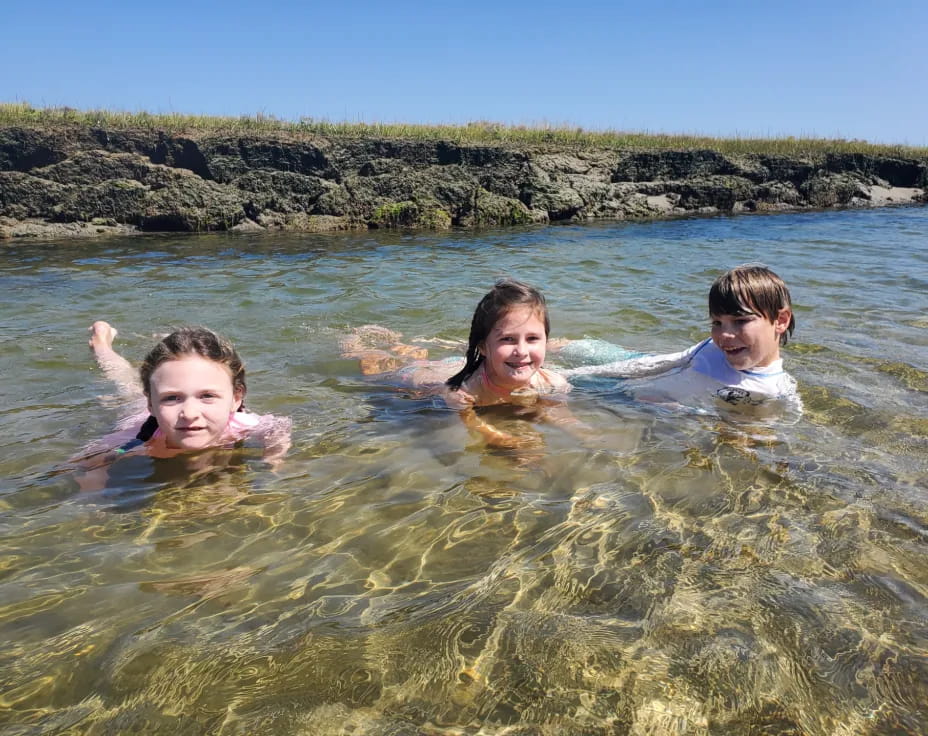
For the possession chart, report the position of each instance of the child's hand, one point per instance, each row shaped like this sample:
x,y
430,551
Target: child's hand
x,y
459,400
494,437
524,397
102,335
276,439
508,441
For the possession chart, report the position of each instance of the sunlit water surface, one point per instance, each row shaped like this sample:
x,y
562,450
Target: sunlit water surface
x,y
668,573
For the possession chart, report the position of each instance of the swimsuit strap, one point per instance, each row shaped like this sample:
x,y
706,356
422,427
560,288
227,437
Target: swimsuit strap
x,y
130,445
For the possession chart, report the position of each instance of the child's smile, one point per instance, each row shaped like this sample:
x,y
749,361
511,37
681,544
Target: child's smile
x,y
515,348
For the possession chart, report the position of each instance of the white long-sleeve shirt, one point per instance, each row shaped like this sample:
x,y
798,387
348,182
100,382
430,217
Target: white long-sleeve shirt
x,y
701,373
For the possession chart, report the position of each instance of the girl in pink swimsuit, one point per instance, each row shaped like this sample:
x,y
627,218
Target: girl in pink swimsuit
x,y
193,386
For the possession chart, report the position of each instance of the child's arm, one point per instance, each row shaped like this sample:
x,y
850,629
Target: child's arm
x,y
492,435
464,403
91,464
114,366
647,365
274,433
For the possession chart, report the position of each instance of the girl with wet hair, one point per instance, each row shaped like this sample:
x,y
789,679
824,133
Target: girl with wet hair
x,y
503,363
192,343
193,385
506,295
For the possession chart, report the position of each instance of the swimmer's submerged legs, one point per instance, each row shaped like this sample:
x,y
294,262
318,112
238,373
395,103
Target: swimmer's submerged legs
x,y
590,351
379,349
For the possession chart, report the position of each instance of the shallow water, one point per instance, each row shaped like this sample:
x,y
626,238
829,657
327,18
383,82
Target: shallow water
x,y
668,573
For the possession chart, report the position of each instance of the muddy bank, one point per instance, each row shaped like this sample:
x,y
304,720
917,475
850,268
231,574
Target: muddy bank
x,y
79,181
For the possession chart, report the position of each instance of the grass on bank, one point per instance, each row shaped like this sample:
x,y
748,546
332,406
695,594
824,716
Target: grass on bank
x,y
23,114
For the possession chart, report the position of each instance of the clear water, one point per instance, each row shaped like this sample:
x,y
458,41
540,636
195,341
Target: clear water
x,y
670,574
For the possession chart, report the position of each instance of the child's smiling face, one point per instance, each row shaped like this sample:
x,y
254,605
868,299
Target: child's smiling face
x,y
749,340
192,398
515,348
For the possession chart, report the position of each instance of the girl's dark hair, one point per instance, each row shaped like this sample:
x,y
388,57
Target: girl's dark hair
x,y
506,294
751,289
190,341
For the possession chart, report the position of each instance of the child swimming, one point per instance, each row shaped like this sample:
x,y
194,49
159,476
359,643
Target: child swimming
x,y
739,364
503,362
193,386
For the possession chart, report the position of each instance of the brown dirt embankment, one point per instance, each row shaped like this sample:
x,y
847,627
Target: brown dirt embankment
x,y
64,181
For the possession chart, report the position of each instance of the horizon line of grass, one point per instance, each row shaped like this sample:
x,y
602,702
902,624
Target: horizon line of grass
x,y
21,113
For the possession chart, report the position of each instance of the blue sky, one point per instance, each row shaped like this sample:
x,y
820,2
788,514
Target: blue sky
x,y
816,68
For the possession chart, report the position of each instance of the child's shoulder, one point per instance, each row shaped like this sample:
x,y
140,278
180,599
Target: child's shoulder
x,y
474,391
552,381
245,422
270,431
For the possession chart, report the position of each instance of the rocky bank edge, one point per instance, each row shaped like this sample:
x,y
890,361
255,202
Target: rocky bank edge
x,y
73,181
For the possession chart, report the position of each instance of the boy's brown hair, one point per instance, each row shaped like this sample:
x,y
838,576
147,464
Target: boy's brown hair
x,y
752,289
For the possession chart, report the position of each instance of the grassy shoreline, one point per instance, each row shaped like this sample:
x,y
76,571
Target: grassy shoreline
x,y
24,115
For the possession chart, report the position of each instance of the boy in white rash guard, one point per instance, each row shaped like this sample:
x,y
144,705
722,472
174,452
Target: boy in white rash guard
x,y
739,365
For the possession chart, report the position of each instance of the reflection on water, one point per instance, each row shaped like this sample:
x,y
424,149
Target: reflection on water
x,y
668,572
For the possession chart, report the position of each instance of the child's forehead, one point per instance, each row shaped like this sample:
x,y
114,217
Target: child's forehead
x,y
517,317
744,311
191,365
734,306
